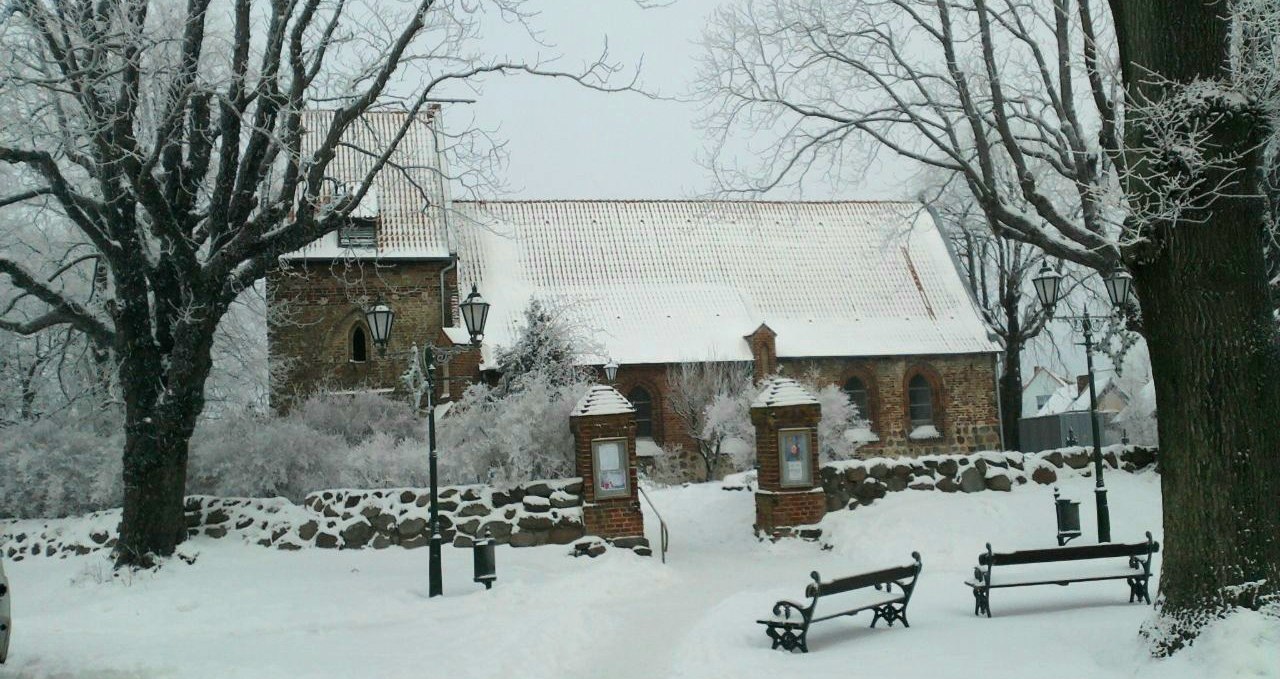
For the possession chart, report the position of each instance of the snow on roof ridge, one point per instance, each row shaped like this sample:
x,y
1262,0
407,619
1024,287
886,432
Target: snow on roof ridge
x,y
602,399
783,391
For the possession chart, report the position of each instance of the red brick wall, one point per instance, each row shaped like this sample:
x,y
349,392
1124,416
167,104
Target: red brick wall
x,y
785,510
965,400
613,517
965,409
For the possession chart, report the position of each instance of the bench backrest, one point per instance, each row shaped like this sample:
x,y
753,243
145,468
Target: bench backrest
x,y
1076,553
853,582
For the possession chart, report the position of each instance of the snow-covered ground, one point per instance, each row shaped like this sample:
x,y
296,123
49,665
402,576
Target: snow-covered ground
x,y
245,611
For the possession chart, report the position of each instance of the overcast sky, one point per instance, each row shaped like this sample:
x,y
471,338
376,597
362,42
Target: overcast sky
x,y
565,141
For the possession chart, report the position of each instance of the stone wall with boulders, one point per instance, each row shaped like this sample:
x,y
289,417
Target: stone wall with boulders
x,y
854,483
535,513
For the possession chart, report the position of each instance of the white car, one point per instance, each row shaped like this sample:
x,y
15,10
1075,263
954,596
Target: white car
x,y
6,623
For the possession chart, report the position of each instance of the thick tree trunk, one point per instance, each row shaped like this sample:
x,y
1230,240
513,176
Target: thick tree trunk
x,y
1215,360
155,478
161,407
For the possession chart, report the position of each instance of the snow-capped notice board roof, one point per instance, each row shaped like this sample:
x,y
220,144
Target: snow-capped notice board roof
x,y
673,281
602,399
407,198
783,391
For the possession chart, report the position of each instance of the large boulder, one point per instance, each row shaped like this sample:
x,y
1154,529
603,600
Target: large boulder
x,y
1000,482
1044,475
948,467
856,474
972,480
356,535
947,485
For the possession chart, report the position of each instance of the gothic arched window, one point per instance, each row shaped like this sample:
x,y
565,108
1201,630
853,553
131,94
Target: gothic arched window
x,y
359,344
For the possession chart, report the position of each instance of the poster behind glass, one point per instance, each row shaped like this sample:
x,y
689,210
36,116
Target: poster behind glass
x,y
611,467
793,451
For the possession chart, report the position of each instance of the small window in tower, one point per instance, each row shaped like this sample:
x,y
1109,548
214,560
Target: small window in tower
x,y
359,345
643,403
358,232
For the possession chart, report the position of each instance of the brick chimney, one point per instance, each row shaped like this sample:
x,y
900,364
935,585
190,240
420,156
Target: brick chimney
x,y
764,352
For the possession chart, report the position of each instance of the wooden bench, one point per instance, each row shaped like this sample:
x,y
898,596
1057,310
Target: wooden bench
x,y
873,591
1137,571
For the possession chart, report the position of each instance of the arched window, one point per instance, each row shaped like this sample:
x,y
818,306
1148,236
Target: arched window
x,y
920,402
857,392
359,345
643,404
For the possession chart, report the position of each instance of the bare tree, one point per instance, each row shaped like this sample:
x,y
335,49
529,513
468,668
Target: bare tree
x,y
169,136
1144,155
697,394
998,271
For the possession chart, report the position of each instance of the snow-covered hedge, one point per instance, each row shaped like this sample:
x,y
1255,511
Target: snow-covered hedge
x,y
71,464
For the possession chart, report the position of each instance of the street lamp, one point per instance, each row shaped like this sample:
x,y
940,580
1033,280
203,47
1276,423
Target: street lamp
x,y
1118,284
611,370
475,313
380,318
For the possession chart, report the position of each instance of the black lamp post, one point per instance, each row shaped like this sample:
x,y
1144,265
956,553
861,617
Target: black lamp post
x,y
475,313
1118,285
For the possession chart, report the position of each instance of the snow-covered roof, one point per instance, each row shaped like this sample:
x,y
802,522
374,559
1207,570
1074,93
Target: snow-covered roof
x,y
1070,398
1044,373
408,197
672,281
783,391
602,399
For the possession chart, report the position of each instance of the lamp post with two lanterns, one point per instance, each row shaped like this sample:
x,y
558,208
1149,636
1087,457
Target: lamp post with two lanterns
x,y
1118,284
475,312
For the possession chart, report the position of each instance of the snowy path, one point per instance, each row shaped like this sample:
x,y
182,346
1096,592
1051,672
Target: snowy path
x,y
244,611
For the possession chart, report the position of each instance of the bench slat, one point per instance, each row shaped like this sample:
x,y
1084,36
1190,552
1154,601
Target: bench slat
x,y
1056,576
880,577
1076,553
857,601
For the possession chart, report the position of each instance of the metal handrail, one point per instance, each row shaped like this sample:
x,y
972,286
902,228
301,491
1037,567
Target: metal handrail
x,y
661,523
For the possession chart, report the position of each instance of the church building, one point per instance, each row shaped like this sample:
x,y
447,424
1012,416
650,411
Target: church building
x,y
865,294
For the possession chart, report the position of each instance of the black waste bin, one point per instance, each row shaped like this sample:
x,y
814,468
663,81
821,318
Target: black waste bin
x,y
486,568
1068,518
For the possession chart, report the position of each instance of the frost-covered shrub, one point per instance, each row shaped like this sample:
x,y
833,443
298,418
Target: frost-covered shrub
x,y
385,462
521,435
358,417
253,455
518,430
842,429
60,466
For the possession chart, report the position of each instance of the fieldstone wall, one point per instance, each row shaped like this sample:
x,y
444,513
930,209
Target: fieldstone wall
x,y
535,513
853,483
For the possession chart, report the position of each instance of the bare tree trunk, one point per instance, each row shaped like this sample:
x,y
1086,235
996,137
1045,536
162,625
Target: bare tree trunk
x,y
1214,353
1011,377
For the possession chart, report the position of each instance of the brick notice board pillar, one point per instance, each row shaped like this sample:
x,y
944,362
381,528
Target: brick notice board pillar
x,y
604,441
790,495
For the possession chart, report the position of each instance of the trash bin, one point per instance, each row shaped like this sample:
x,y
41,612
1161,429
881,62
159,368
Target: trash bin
x,y
484,562
1068,518
6,622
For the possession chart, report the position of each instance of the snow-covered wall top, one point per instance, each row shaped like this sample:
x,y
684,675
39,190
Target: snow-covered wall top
x,y
675,281
602,399
783,391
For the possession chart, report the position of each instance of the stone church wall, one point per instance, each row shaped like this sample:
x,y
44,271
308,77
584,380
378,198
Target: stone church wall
x,y
316,305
